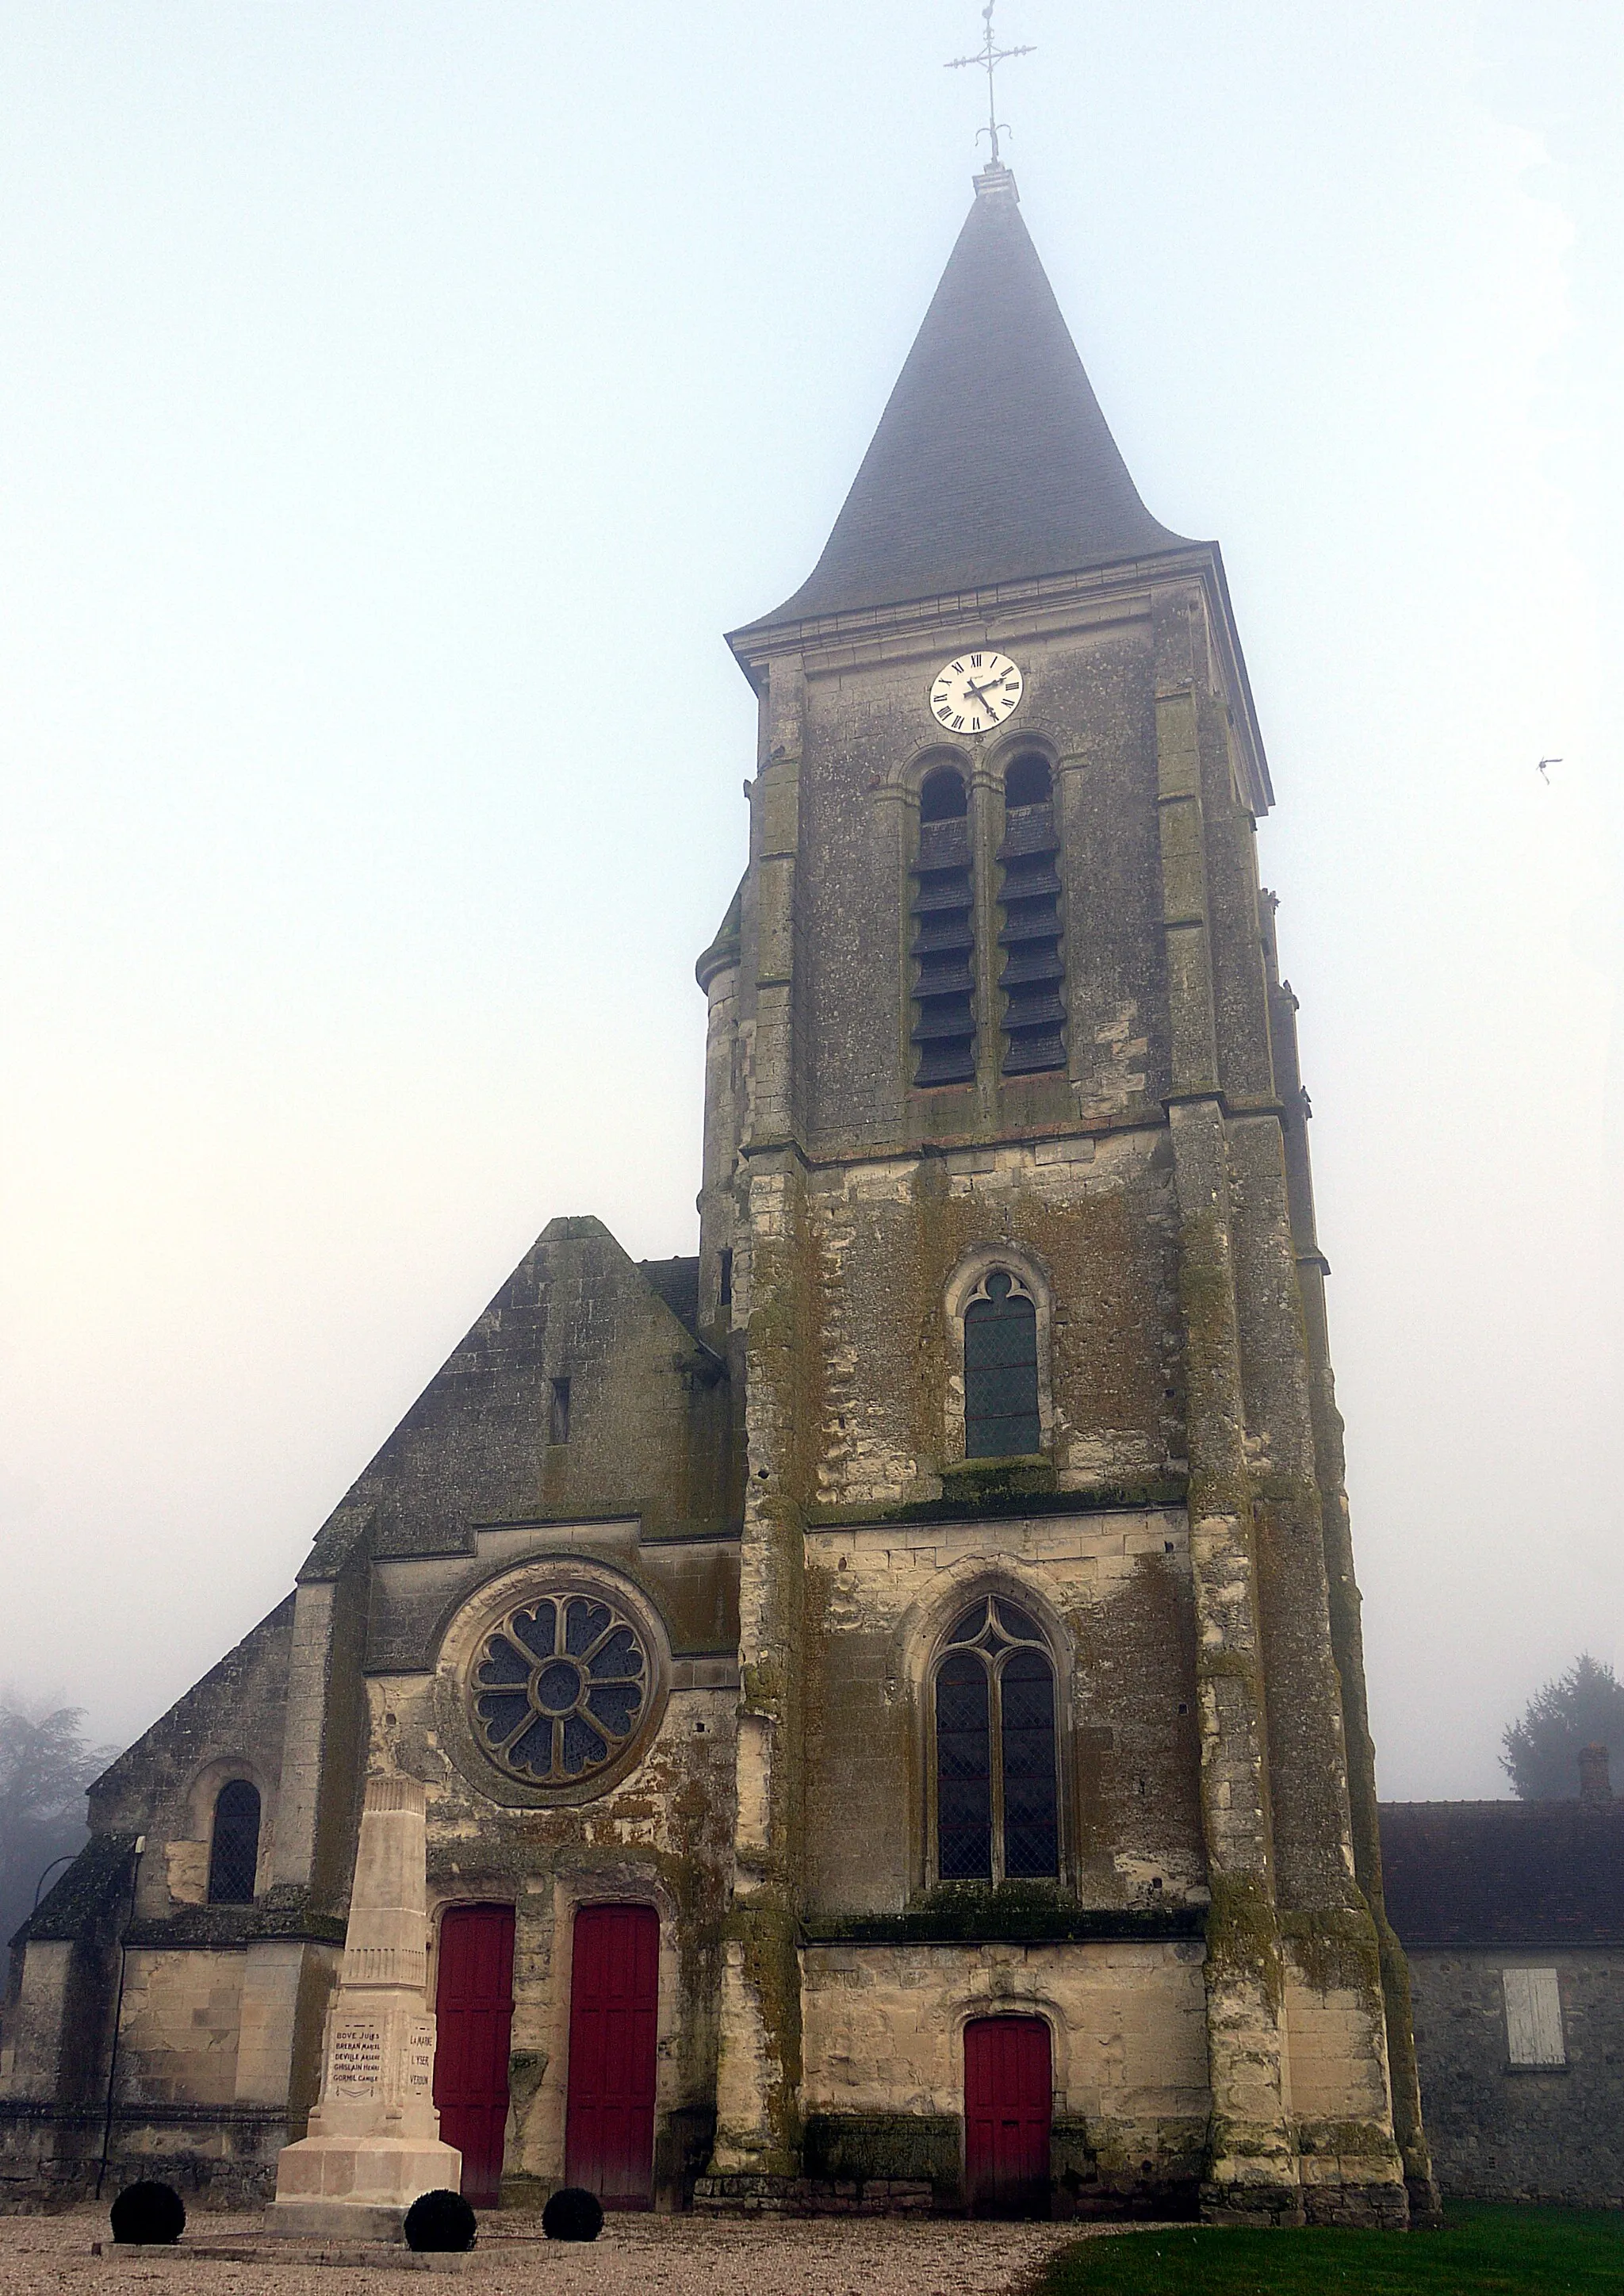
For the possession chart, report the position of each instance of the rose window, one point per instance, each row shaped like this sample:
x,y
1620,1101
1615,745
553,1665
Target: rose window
x,y
559,1688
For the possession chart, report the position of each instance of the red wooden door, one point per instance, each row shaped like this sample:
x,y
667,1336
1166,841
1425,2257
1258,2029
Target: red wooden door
x,y
473,2010
614,2005
1008,2096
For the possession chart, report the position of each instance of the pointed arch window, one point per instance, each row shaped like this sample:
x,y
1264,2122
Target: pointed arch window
x,y
1033,979
1002,1419
997,1800
944,933
234,1850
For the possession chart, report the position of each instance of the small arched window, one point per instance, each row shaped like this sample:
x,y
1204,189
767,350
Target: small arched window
x,y
233,1854
944,934
1001,1413
997,1804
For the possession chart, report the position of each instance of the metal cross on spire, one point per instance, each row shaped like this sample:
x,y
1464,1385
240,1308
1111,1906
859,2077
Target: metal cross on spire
x,y
989,57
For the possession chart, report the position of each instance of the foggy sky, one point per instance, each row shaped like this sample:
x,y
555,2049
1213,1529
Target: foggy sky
x,y
398,401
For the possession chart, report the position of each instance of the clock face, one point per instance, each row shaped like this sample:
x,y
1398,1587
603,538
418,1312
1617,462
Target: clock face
x,y
975,692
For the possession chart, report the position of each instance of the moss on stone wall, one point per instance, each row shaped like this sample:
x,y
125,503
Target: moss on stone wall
x,y
1243,1935
965,1500
1010,1915
1334,1949
769,1937
860,2146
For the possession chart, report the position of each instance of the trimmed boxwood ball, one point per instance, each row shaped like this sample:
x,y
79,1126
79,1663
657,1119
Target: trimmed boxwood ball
x,y
440,2221
573,2214
149,2212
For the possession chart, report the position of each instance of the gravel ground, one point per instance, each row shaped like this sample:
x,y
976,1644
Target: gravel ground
x,y
636,2256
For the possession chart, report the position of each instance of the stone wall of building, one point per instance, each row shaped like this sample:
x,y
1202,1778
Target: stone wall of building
x,y
1499,2133
661,1836
1096,1220
228,1725
1113,1588
177,2041
884,2073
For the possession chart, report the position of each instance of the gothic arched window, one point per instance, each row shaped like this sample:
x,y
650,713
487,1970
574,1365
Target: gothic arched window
x,y
1001,1413
944,935
233,1852
997,1803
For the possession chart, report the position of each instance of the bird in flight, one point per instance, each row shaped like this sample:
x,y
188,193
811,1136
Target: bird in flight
x,y
1544,762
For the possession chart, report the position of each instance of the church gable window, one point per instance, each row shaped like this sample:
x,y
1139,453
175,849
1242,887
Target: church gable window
x,y
997,1804
560,1690
1002,1419
234,1849
1033,979
943,943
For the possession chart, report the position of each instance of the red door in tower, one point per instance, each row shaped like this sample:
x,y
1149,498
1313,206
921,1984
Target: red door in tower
x,y
1008,2096
473,2012
614,2004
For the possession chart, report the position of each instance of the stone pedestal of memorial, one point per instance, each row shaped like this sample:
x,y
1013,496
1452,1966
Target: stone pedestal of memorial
x,y
373,2143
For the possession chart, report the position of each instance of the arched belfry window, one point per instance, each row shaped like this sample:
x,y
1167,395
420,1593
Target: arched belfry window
x,y
998,1802
233,1852
1002,1419
944,933
1033,979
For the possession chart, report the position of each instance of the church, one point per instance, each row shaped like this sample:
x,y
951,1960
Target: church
x,y
887,1692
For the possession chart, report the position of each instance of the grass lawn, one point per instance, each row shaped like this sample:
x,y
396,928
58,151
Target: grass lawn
x,y
1482,2250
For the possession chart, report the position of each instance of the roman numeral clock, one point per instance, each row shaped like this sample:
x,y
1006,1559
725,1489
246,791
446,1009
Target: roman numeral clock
x,y
976,692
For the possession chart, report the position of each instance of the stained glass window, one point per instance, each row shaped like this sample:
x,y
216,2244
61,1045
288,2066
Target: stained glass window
x,y
1001,1419
233,1852
997,1813
559,1688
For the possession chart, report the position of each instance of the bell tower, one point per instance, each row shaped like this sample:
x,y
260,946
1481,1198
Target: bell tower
x,y
1052,1697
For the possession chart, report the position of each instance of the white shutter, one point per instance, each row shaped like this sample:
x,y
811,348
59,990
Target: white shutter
x,y
1533,2017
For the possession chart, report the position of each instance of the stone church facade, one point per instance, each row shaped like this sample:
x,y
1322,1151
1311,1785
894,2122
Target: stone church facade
x,y
888,1690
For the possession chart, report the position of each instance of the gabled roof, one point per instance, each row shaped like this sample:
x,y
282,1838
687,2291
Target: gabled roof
x,y
992,461
476,1446
1487,1873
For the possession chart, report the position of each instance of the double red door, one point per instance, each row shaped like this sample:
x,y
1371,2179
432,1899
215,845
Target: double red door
x,y
614,2002
473,2009
1008,2100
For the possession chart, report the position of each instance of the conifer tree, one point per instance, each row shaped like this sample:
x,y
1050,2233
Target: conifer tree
x,y
44,1767
1584,1707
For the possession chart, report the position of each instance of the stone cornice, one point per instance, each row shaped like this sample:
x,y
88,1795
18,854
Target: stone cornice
x,y
873,630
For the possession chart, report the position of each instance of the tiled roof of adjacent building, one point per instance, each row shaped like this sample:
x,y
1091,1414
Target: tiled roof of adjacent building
x,y
1503,1872
992,461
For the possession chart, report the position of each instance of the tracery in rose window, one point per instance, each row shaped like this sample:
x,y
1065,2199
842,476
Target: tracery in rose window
x,y
559,1688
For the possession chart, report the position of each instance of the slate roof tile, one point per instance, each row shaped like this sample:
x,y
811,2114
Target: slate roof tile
x,y
993,462
1503,1872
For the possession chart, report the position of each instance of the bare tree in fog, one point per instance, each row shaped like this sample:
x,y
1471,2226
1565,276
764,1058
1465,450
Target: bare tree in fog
x,y
1584,1707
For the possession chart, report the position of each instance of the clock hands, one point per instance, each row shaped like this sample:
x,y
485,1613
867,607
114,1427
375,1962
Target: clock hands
x,y
977,690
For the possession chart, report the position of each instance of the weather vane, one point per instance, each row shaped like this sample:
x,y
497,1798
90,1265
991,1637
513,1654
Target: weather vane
x,y
989,57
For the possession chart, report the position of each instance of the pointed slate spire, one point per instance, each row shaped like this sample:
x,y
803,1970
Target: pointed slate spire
x,y
992,461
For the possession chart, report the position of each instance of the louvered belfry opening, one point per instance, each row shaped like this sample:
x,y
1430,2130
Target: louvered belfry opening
x,y
1033,977
944,933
